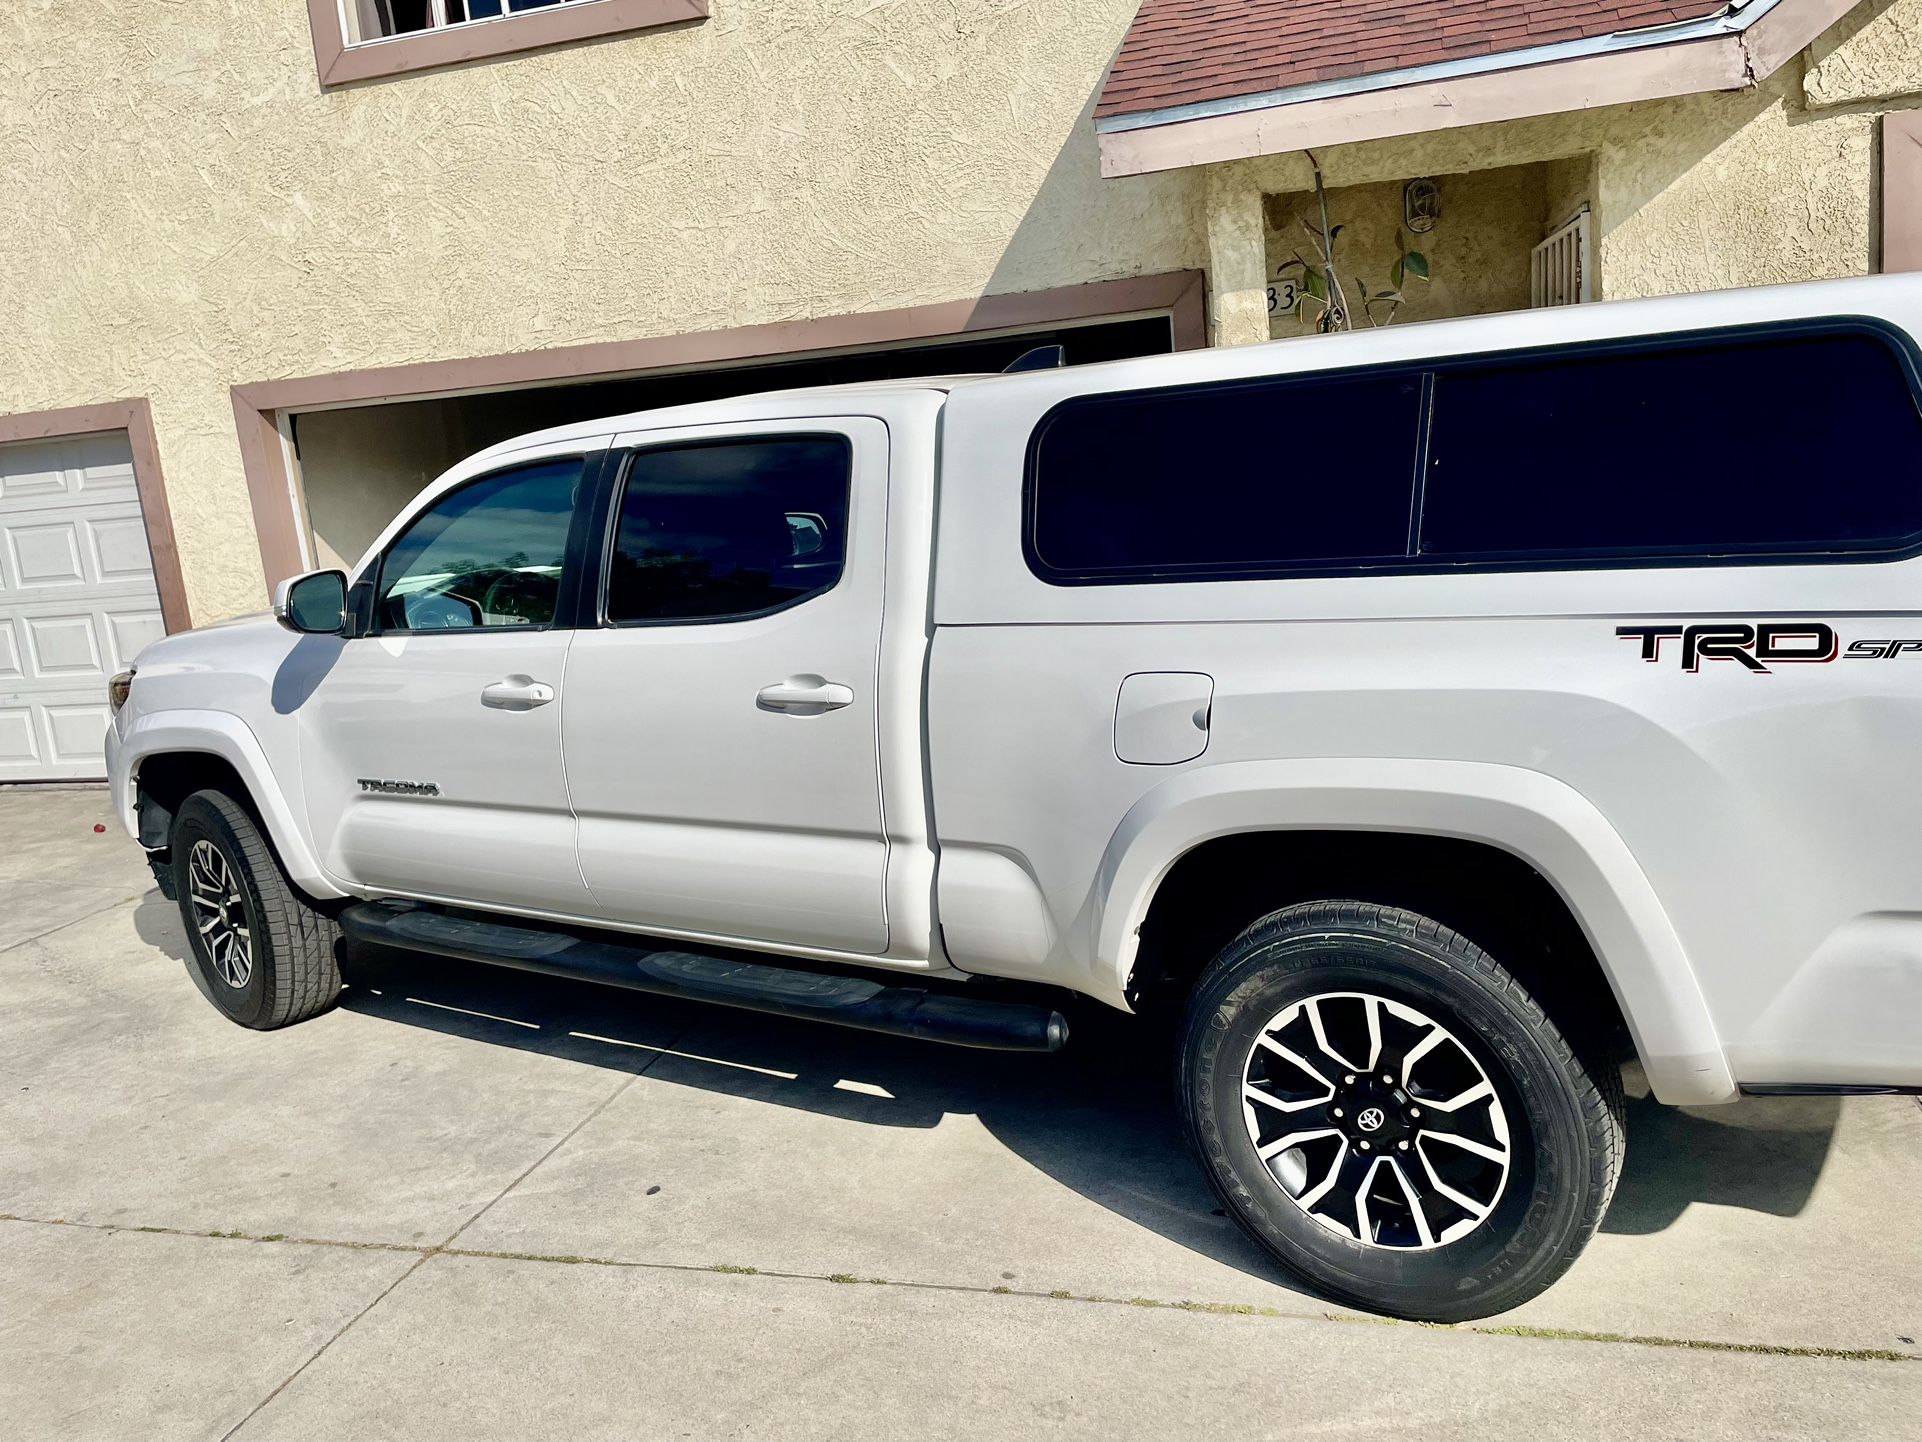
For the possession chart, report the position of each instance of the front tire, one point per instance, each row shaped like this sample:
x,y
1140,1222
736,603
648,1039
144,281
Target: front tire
x,y
1388,1112
257,949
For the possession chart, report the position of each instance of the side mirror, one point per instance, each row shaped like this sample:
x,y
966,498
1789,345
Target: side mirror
x,y
313,604
807,533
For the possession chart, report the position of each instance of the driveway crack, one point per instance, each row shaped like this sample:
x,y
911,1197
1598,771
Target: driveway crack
x,y
573,1131
1220,1309
321,1350
75,921
429,1253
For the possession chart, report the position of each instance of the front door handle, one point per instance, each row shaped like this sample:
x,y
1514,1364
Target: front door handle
x,y
805,696
516,693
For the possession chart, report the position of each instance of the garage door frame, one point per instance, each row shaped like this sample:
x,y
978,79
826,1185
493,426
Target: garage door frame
x,y
135,417
263,410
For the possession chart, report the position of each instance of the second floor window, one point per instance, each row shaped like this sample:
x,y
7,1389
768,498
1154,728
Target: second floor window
x,y
379,19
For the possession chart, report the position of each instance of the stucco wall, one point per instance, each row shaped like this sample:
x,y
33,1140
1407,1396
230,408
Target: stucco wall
x,y
360,466
1567,185
1874,54
1712,191
185,210
1477,253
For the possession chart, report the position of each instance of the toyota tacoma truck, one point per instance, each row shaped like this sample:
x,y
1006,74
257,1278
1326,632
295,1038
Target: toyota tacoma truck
x,y
1427,721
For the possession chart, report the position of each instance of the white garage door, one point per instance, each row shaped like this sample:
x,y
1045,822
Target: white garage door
x,y
77,599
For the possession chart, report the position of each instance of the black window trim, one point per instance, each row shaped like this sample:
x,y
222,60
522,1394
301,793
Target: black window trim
x,y
566,602
1428,371
615,492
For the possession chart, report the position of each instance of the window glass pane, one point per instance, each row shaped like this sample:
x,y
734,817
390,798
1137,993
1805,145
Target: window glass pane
x,y
379,19
394,17
488,554
1227,480
1782,445
729,529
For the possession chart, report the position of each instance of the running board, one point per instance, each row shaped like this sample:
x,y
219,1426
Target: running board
x,y
850,1001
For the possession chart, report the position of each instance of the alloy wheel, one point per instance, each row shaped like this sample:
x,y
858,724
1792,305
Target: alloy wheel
x,y
1374,1119
220,914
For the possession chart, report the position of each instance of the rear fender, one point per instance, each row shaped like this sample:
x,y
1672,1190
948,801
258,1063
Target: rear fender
x,y
1543,821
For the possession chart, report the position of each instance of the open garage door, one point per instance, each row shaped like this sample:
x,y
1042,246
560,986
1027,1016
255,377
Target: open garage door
x,y
77,599
361,465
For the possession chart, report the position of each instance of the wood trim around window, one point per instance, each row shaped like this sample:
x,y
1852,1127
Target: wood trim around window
x,y
1180,295
1902,191
135,417
339,63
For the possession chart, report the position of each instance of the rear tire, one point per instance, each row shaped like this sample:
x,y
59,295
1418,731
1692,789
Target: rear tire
x,y
257,949
1447,1187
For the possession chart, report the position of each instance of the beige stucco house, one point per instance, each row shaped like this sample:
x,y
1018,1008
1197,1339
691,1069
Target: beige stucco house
x,y
267,267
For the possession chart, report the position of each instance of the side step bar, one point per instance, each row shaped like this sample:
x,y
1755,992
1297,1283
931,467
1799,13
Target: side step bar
x,y
849,1001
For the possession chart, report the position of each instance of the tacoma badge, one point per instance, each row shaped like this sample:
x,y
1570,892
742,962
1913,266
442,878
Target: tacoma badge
x,y
400,788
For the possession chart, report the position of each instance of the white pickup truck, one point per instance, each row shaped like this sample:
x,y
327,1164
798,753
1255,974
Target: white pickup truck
x,y
1426,717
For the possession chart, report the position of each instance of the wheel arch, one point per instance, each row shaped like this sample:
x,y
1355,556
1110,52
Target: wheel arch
x,y
193,750
1541,824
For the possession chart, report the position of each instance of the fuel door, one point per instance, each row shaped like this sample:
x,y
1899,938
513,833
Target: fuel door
x,y
1161,717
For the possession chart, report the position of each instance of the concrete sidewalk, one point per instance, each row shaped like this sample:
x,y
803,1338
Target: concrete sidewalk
x,y
472,1203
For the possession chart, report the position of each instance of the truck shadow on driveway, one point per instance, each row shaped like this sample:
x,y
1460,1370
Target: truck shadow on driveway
x,y
1095,1118
1098,1118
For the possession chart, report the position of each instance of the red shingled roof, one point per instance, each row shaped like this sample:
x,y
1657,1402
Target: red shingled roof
x,y
1178,52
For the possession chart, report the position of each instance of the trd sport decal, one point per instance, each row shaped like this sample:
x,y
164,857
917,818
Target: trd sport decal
x,y
1758,647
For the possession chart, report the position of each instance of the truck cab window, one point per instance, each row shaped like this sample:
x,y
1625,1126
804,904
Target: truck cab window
x,y
488,555
721,530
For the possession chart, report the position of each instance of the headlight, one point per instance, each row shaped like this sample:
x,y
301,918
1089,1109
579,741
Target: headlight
x,y
118,690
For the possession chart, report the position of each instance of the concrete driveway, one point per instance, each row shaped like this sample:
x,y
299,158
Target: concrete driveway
x,y
472,1204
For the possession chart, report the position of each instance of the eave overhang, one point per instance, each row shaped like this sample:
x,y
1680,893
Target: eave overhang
x,y
1734,50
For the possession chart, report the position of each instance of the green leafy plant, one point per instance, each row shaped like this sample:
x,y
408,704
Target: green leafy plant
x,y
1319,291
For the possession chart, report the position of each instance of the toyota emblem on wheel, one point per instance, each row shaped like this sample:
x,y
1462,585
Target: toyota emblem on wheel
x,y
1370,1120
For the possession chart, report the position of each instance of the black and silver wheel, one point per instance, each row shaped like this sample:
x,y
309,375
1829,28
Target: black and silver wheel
x,y
218,914
257,949
1387,1111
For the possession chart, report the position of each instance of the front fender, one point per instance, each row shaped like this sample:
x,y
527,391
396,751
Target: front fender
x,y
1543,821
222,734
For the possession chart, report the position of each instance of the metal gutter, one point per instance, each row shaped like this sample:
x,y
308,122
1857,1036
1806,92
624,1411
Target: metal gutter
x,y
1731,20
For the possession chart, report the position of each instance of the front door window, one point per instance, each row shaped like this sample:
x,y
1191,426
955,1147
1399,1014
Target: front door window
x,y
487,555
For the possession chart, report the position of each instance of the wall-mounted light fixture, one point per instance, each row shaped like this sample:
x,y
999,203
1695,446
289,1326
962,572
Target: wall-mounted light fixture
x,y
1420,205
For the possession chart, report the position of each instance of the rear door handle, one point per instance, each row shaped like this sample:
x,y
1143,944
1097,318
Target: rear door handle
x,y
805,696
516,693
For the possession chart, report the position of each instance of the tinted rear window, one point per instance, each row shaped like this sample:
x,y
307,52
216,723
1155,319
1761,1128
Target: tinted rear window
x,y
1796,444
726,529
1256,477
1698,449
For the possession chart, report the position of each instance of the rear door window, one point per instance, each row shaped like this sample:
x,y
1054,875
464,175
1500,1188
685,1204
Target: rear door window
x,y
722,530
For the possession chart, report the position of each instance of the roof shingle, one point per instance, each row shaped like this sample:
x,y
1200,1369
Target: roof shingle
x,y
1179,52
